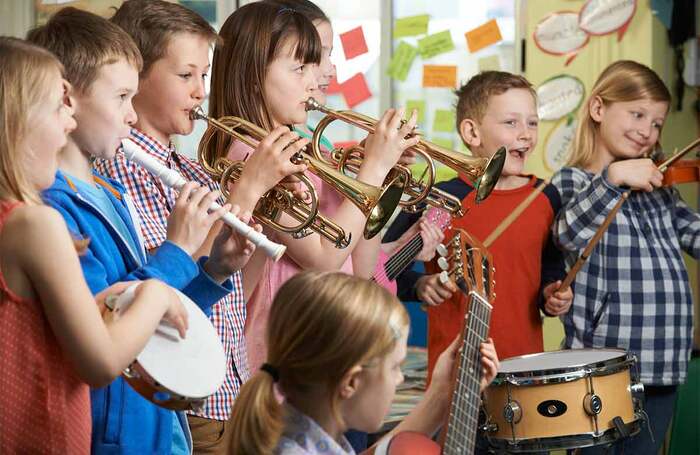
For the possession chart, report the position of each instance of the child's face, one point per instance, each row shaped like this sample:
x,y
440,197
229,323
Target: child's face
x,y
104,111
49,125
373,399
628,129
325,71
510,120
173,85
288,84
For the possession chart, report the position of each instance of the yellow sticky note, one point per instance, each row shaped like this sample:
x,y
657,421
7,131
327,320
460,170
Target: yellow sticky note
x,y
439,76
444,120
483,36
411,26
402,60
418,105
435,44
490,63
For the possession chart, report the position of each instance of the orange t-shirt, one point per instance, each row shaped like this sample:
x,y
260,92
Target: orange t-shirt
x,y
44,406
516,325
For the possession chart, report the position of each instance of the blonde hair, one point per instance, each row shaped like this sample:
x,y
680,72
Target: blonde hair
x,y
320,325
622,81
26,74
84,43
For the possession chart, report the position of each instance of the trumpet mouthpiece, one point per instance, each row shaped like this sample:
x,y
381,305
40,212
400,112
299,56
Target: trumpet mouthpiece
x,y
312,104
196,113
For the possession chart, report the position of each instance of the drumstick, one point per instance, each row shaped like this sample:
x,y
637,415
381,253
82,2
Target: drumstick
x,y
592,243
507,221
174,180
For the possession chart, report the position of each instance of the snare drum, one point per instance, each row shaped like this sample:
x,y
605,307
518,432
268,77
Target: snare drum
x,y
173,372
562,400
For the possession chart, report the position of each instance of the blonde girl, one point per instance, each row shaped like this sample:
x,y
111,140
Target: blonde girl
x,y
264,73
53,341
336,344
633,292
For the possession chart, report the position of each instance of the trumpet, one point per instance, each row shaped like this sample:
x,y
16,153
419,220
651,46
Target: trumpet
x,y
482,172
377,204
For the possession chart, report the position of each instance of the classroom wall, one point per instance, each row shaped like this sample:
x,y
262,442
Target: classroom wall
x,y
645,41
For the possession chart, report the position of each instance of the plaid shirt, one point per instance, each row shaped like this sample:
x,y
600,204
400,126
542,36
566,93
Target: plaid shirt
x,y
154,202
633,292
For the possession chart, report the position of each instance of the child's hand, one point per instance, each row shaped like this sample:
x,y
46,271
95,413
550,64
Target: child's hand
x,y
638,174
271,161
431,291
557,302
112,291
190,221
441,382
432,236
489,363
389,141
230,251
176,314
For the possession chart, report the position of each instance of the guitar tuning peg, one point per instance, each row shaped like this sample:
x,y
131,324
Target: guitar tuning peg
x,y
444,277
442,250
443,264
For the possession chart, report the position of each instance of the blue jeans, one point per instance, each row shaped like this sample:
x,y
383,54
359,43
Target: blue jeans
x,y
659,402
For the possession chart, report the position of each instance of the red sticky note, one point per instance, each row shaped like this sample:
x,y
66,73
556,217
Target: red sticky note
x,y
333,86
354,43
355,90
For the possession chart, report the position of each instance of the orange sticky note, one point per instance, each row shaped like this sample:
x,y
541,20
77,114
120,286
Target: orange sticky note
x,y
354,43
333,86
355,90
483,36
439,76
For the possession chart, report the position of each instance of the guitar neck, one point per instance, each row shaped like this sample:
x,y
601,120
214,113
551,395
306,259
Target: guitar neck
x,y
460,435
402,258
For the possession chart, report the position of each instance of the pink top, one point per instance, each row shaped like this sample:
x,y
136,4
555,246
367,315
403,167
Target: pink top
x,y
44,406
277,273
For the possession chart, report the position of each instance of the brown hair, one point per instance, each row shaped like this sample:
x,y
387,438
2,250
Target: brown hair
x,y
84,43
25,75
152,23
321,325
474,96
253,36
622,81
308,9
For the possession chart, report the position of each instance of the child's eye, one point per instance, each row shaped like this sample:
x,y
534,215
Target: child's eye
x,y
299,69
533,124
186,75
657,125
205,76
510,122
636,114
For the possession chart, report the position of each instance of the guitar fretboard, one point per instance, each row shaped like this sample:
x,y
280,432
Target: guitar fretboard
x,y
464,412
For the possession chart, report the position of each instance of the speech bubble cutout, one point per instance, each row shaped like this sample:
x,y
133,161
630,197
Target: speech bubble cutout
x,y
601,17
559,96
559,33
557,145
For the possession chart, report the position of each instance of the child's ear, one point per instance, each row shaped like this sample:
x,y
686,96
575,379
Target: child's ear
x,y
350,382
469,131
595,108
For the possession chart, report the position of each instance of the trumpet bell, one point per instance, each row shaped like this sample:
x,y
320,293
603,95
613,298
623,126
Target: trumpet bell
x,y
386,202
492,171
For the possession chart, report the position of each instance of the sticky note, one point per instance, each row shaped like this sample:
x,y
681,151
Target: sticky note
x,y
483,36
435,44
444,120
411,26
439,76
442,142
355,90
418,105
353,42
402,60
490,63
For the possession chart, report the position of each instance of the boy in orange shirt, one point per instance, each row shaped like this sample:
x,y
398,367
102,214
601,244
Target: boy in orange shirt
x,y
496,109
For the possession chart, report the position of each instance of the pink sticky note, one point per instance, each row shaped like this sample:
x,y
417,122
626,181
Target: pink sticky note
x,y
354,43
355,90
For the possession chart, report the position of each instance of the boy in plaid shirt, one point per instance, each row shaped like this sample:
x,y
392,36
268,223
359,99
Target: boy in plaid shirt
x,y
633,292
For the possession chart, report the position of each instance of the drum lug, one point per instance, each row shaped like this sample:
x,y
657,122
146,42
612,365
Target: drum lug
x,y
592,404
512,412
637,388
489,427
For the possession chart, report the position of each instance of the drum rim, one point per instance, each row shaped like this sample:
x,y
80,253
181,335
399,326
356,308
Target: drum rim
x,y
574,441
566,374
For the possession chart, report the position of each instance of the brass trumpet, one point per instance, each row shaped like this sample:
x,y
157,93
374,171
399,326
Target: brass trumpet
x,y
377,204
482,172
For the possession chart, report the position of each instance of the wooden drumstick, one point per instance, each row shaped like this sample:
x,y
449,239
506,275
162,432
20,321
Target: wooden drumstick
x,y
507,221
593,242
